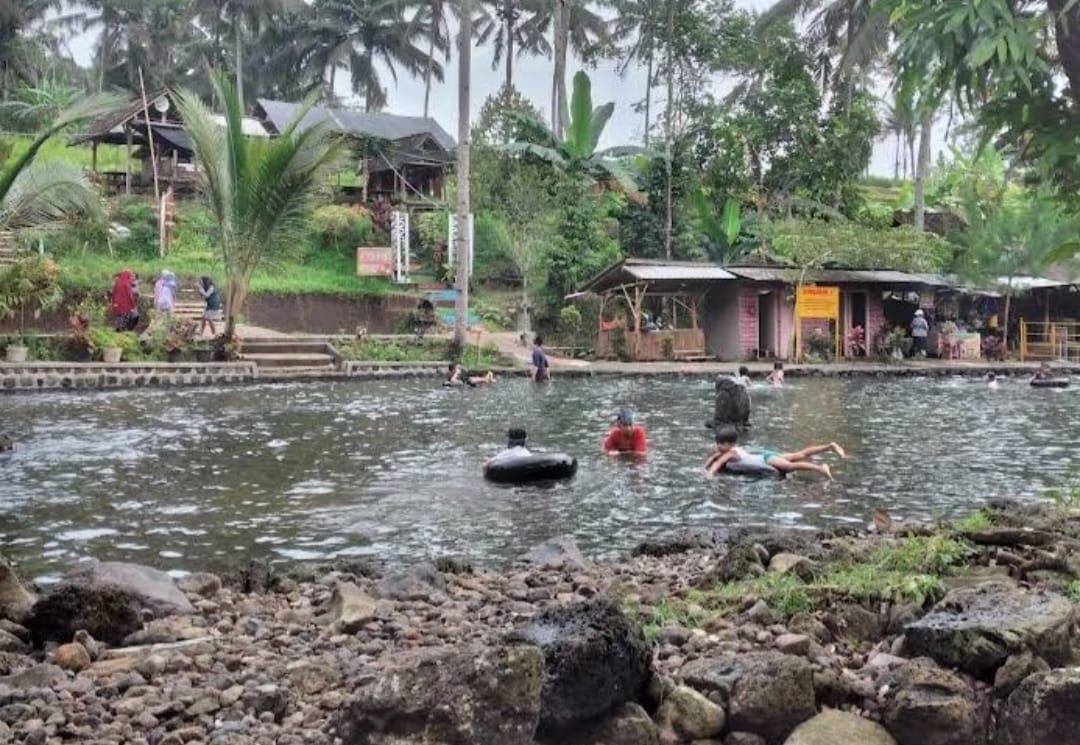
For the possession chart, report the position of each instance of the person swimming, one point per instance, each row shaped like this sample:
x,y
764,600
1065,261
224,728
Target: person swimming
x,y
728,450
992,381
776,377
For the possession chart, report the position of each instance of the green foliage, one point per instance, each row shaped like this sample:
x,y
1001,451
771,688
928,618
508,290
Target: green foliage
x,y
1066,495
722,231
411,349
504,118
785,592
102,338
570,319
979,520
31,284
1072,591
338,227
816,243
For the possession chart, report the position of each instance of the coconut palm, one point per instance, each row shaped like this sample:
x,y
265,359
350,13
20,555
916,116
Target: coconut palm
x,y
464,207
577,152
32,193
637,26
19,51
259,190
576,25
354,34
432,14
515,28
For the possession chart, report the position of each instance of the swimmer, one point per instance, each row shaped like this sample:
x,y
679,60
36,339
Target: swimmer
x,y
776,377
485,379
728,450
625,436
743,376
515,446
991,381
454,374
1044,372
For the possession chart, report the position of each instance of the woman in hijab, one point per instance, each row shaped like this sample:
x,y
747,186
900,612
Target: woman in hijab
x,y
165,293
124,302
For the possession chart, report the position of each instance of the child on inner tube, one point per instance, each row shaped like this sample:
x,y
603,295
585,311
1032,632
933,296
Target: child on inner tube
x,y
515,445
456,376
727,451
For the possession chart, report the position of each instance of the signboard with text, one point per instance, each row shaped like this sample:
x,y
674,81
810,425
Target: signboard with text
x,y
374,262
818,302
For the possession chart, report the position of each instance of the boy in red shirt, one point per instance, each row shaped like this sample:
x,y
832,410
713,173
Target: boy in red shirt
x,y
625,436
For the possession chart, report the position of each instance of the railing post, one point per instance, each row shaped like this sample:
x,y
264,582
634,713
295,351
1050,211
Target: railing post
x,y
1023,340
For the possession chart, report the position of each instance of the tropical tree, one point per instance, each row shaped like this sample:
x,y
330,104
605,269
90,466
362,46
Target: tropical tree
x,y
259,190
721,231
432,15
578,26
637,28
32,193
501,115
577,152
515,28
19,49
355,34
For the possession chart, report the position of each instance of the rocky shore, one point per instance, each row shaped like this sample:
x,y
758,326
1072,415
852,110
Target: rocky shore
x,y
912,635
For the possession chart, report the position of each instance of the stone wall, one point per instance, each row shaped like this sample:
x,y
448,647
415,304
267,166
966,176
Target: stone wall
x,y
364,369
34,376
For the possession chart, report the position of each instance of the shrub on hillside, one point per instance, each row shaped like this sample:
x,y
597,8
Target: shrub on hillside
x,y
340,227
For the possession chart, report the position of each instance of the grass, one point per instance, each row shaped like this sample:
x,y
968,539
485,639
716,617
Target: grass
x,y
109,158
1072,591
909,570
410,349
1067,495
974,522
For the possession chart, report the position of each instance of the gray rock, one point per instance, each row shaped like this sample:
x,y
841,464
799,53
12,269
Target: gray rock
x,y
926,705
15,600
417,583
731,404
203,583
767,693
679,542
740,562
976,630
11,643
747,738
796,644
1015,670
106,612
38,676
800,566
154,589
690,715
832,727
458,696
350,609
559,552
626,725
1043,710
596,659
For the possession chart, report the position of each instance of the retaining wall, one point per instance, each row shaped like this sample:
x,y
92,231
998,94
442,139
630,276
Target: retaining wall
x,y
33,376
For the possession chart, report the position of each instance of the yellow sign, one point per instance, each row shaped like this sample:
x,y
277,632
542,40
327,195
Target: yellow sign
x,y
818,302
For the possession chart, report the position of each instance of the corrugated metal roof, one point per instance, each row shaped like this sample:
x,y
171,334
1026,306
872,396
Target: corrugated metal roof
x,y
675,273
384,126
1031,283
838,276
665,276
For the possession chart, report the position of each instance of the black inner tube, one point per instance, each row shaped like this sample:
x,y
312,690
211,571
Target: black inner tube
x,y
524,469
1050,383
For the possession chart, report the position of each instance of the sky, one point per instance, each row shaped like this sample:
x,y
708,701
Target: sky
x,y
532,76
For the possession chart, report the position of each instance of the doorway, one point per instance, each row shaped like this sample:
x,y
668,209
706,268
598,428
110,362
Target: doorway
x,y
766,307
857,316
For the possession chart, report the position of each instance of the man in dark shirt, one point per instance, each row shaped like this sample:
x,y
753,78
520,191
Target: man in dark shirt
x,y
540,370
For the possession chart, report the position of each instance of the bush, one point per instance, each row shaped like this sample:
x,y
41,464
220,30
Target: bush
x,y
491,239
819,346
105,338
339,227
140,218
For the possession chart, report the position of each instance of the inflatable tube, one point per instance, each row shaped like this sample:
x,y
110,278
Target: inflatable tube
x,y
753,470
1050,383
529,468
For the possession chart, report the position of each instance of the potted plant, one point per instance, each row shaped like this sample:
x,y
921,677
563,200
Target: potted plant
x,y
28,284
112,344
178,339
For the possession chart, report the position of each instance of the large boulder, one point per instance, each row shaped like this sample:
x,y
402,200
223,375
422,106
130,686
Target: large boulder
x,y
1043,710
766,693
595,659
832,727
625,725
731,404
926,705
977,629
15,600
460,696
689,715
108,599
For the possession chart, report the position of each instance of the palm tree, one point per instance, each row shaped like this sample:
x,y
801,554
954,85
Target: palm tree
x,y
515,28
357,33
33,193
432,14
259,190
461,302
638,24
575,26
577,153
18,49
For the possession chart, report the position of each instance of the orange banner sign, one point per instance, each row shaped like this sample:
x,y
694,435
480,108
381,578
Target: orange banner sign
x,y
374,262
818,302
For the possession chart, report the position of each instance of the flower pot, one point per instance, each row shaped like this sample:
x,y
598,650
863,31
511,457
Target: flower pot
x,y
16,353
112,355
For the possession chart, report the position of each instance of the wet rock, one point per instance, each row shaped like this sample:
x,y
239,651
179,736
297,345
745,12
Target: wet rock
x,y
256,577
454,565
38,676
15,600
73,657
350,609
832,727
1011,537
926,705
731,404
767,693
11,643
203,584
559,552
1043,710
596,659
740,562
107,612
92,646
460,696
689,715
155,590
679,542
1016,669
800,566
858,624
976,630
417,583
625,725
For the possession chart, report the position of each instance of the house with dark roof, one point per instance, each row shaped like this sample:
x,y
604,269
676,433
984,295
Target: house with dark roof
x,y
402,159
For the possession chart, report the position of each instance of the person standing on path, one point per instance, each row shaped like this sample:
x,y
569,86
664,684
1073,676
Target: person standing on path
x,y
919,331
165,293
215,311
540,370
124,301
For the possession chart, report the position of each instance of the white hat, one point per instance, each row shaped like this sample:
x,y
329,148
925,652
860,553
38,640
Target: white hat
x,y
919,312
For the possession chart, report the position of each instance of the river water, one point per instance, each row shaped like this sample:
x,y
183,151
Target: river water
x,y
199,479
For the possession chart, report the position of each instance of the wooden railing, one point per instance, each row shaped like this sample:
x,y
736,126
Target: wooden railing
x,y
1050,340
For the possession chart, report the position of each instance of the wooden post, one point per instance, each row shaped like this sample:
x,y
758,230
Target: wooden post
x,y
150,138
127,165
93,157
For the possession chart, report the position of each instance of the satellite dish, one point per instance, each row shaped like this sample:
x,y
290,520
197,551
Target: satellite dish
x,y
161,105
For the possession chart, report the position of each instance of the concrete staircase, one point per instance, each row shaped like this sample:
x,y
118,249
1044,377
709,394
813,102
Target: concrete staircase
x,y
292,358
189,305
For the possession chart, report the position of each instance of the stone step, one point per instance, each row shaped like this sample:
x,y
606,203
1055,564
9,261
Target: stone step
x,y
293,373
267,360
286,346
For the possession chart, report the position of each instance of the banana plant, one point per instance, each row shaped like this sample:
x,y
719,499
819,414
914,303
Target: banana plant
x,y
577,152
722,233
